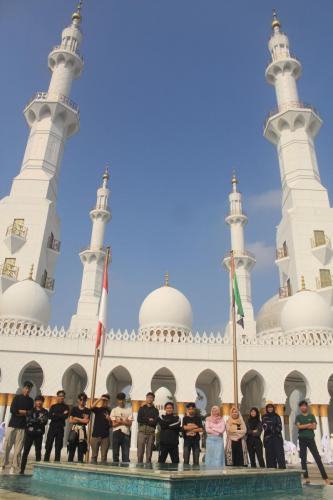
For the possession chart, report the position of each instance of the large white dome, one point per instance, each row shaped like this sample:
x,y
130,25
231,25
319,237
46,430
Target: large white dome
x,y
26,301
306,310
166,308
269,316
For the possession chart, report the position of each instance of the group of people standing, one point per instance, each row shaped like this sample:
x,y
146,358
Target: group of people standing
x,y
29,419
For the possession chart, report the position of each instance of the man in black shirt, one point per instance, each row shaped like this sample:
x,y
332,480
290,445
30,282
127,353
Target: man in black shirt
x,y
21,405
101,430
34,432
58,414
147,421
77,438
169,435
192,426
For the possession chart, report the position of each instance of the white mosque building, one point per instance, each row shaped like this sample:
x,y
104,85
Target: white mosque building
x,y
284,353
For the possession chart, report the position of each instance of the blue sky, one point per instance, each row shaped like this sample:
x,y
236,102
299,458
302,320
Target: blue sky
x,y
173,96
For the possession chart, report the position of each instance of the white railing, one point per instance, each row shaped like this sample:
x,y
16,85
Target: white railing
x,y
289,105
68,49
9,271
45,96
238,253
281,253
318,337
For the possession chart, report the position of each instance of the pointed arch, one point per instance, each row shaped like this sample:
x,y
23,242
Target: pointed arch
x,y
33,373
119,380
208,388
74,381
253,389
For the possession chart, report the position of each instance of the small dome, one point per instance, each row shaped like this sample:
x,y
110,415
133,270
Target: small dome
x,y
269,316
162,396
166,308
306,310
26,301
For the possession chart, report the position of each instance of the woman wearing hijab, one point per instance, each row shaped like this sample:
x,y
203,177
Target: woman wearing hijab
x,y
273,441
253,440
235,450
215,428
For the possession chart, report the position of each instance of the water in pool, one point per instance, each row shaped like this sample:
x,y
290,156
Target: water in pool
x,y
29,486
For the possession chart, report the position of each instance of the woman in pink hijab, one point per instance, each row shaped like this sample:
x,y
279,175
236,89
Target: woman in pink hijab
x,y
215,428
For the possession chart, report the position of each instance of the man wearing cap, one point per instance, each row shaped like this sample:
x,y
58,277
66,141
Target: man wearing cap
x,y
101,431
36,421
21,405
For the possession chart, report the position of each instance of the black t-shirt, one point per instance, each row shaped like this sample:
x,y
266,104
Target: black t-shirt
x,y
77,412
58,416
20,402
192,420
101,423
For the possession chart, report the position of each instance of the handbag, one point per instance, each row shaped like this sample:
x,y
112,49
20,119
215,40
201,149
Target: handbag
x,y
73,436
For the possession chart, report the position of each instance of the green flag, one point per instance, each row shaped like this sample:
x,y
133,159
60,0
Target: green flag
x,y
237,301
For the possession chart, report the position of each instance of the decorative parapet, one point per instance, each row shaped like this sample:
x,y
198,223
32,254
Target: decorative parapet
x,y
317,337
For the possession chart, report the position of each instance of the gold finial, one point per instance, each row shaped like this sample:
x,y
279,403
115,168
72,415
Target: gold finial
x,y
303,287
275,22
31,272
77,15
166,279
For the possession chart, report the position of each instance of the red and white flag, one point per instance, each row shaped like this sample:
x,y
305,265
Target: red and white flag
x,y
102,313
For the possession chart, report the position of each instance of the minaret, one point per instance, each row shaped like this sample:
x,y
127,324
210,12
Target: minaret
x,y
244,260
29,225
92,259
305,231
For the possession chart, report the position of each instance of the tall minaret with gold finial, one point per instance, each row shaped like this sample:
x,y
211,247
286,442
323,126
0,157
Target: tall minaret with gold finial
x,y
29,224
244,260
305,232
92,259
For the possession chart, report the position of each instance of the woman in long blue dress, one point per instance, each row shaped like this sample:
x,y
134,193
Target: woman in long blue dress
x,y
215,428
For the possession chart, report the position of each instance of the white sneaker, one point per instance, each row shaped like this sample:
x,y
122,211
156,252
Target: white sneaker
x,y
12,470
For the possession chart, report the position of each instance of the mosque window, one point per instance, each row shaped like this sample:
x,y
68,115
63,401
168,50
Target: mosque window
x,y
319,238
9,269
325,278
17,228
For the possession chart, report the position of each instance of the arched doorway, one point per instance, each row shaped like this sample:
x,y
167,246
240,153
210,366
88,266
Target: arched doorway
x,y
208,389
74,381
119,380
252,388
295,387
163,384
33,373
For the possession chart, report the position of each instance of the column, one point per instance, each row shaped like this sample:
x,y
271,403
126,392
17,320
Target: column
x,y
3,406
225,410
318,434
134,436
323,413
10,398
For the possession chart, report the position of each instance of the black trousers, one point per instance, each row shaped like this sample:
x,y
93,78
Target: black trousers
x,y
237,453
120,441
193,446
254,447
81,447
55,435
304,444
275,453
166,450
28,442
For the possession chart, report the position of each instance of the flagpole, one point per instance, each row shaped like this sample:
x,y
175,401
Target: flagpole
x,y
234,331
94,374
